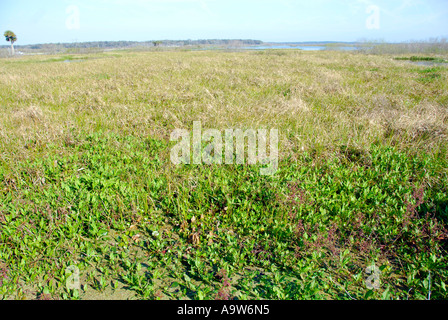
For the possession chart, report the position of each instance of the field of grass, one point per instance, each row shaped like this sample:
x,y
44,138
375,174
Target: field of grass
x,y
86,179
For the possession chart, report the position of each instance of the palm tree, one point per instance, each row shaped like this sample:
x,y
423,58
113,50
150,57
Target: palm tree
x,y
10,36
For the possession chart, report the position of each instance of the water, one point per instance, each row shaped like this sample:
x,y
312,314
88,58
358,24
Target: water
x,y
305,48
74,60
428,63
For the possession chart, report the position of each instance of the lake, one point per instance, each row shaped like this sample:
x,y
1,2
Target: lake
x,y
428,63
306,48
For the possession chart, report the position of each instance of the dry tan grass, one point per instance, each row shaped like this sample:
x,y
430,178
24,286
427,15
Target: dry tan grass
x,y
427,122
321,97
33,113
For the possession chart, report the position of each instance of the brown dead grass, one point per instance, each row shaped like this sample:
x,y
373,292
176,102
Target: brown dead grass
x,y
320,97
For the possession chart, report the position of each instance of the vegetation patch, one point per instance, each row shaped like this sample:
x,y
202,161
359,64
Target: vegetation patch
x,y
416,58
358,208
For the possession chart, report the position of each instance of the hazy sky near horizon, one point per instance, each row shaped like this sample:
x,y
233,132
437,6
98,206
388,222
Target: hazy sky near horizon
x,y
48,21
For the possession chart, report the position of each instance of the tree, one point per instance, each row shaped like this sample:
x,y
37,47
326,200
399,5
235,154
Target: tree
x,y
11,37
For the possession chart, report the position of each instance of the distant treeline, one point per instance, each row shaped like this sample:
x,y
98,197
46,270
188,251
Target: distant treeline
x,y
130,44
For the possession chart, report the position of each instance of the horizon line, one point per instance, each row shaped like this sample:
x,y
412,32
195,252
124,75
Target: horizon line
x,y
433,39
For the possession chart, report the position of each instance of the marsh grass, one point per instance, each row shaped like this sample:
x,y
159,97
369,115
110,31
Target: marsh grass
x,y
416,58
427,47
86,180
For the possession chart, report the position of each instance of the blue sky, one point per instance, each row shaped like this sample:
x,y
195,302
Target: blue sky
x,y
48,21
